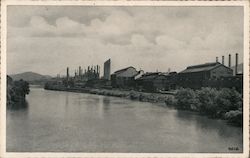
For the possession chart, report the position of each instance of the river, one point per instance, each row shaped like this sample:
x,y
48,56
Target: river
x,y
56,121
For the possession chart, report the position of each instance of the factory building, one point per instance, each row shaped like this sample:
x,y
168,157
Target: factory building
x,y
107,72
194,76
215,75
156,81
125,78
206,71
92,73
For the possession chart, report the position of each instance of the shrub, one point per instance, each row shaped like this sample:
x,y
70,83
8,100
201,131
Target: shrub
x,y
170,101
133,95
207,101
186,99
235,117
228,99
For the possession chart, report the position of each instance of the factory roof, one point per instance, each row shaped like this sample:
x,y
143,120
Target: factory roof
x,y
122,70
148,76
202,67
154,75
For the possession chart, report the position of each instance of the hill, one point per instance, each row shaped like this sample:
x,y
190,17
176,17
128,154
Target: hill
x,y
30,76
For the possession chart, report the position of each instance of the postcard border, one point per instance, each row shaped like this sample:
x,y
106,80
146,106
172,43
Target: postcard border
x,y
6,3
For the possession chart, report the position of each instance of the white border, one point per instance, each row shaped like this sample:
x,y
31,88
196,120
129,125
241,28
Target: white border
x,y
5,3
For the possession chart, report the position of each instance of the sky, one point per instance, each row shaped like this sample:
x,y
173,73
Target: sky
x,y
47,39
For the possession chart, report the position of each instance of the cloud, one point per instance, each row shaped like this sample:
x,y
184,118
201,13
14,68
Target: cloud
x,y
170,43
39,27
145,37
139,41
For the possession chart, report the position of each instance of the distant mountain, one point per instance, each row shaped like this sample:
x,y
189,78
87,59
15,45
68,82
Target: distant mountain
x,y
30,76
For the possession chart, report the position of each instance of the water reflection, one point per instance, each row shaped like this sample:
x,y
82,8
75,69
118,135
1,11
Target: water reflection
x,y
67,100
106,103
207,124
18,106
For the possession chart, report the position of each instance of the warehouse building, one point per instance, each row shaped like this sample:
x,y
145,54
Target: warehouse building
x,y
156,81
195,76
125,78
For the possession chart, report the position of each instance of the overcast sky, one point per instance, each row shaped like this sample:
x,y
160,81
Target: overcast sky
x,y
47,39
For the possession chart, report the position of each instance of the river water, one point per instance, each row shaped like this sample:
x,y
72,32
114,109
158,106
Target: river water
x,y
56,121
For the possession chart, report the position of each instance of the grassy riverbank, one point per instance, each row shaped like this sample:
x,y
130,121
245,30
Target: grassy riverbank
x,y
133,95
129,94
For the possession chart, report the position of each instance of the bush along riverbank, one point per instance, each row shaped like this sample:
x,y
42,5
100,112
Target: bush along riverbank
x,y
224,104
129,94
133,95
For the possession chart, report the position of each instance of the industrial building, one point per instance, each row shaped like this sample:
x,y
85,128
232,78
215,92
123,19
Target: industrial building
x,y
156,81
106,74
206,71
125,78
214,74
194,76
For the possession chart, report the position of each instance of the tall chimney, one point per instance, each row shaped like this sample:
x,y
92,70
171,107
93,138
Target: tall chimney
x,y
67,73
217,60
222,60
236,63
98,71
229,60
80,71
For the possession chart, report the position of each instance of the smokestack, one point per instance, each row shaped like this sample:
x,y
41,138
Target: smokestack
x,y
222,60
97,69
229,60
80,70
67,73
217,60
236,63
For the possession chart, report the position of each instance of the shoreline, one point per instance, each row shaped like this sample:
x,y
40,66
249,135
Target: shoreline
x,y
128,94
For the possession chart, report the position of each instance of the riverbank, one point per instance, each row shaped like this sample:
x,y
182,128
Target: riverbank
x,y
129,94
